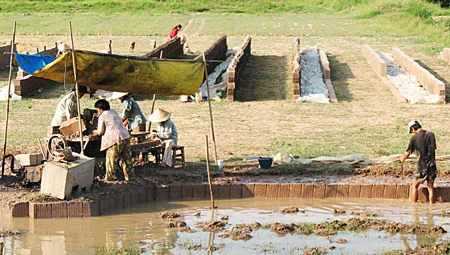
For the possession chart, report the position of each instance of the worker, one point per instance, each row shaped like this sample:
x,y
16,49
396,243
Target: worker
x,y
67,108
423,144
174,31
132,116
115,139
166,132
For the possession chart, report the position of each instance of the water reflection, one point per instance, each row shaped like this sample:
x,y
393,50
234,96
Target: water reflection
x,y
143,228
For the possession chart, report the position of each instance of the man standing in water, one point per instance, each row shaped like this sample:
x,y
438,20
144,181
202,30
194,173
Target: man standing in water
x,y
423,144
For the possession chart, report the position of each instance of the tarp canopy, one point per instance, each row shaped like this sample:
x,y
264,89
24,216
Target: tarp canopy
x,y
138,75
32,63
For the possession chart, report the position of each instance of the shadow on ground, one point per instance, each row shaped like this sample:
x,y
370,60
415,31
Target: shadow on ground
x,y
264,78
340,74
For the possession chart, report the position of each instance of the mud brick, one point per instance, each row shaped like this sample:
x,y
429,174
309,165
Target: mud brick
x,y
200,191
331,191
75,208
91,208
320,191
260,190
224,191
342,191
272,190
442,194
41,210
175,192
59,209
215,191
134,197
284,190
403,191
366,191
106,206
296,190
307,190
248,190
187,191
378,191
150,194
142,192
127,202
390,191
236,191
119,202
354,190
162,193
422,194
21,209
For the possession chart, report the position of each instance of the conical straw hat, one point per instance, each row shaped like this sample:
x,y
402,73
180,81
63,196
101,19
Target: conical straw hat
x,y
117,95
159,115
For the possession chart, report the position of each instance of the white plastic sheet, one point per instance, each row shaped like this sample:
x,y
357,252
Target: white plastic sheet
x,y
4,94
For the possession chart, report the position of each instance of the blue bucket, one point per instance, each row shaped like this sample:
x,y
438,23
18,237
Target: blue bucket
x,y
265,163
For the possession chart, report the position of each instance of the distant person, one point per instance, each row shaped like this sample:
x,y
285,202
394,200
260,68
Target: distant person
x,y
67,107
174,32
115,139
423,144
132,116
166,131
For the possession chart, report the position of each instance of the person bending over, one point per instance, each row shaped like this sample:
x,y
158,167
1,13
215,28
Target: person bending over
x,y
423,144
115,139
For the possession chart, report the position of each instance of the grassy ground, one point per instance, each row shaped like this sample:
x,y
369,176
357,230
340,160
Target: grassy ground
x,y
263,120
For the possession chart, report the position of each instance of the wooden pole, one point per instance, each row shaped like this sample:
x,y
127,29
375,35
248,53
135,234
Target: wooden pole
x,y
209,173
13,42
153,101
210,110
76,89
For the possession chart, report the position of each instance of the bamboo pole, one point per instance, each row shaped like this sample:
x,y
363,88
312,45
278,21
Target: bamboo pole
x,y
153,101
209,173
13,42
76,89
210,110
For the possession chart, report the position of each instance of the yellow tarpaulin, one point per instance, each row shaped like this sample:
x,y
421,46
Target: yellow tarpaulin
x,y
137,75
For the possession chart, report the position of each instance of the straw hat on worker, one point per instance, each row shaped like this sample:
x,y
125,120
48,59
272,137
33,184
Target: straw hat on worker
x,y
117,95
159,115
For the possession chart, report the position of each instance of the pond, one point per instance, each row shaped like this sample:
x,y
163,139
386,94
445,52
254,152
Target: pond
x,y
143,227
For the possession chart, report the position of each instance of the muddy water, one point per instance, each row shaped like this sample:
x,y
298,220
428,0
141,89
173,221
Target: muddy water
x,y
142,227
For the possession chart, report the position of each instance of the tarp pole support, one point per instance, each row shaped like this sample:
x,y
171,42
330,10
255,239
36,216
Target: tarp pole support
x,y
210,110
13,42
76,89
153,101
209,173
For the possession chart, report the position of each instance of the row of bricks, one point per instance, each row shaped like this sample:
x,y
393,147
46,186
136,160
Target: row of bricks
x,y
428,81
113,204
237,66
170,49
375,61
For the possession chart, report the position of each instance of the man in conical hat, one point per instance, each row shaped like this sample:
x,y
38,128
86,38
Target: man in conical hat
x,y
166,131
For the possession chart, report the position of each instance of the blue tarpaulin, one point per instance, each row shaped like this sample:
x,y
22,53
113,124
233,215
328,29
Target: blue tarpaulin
x,y
32,63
